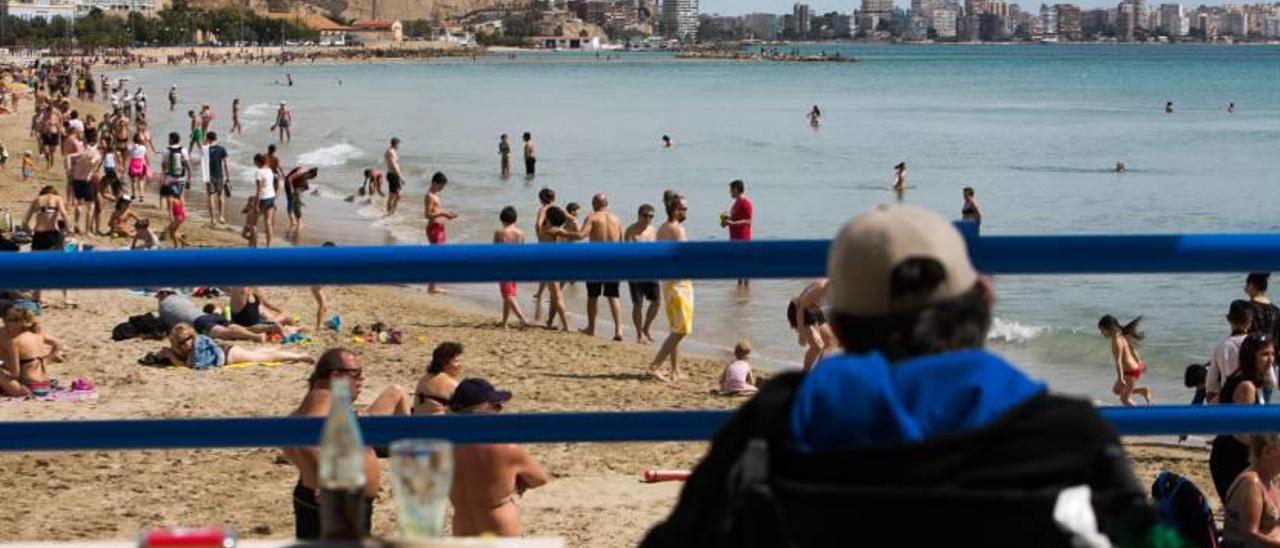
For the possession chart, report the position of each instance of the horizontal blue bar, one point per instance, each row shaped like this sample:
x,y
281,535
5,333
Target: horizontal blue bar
x,y
662,260
648,426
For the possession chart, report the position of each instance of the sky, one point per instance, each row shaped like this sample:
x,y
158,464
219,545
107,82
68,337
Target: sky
x,y
739,7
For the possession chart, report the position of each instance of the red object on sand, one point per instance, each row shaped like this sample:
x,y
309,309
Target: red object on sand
x,y
655,476
200,537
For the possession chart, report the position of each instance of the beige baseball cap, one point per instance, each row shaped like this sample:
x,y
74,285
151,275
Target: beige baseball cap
x,y
868,248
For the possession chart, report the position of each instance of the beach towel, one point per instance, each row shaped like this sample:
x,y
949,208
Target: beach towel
x,y
65,395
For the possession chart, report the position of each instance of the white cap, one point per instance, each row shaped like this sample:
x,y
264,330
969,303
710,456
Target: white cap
x,y
868,249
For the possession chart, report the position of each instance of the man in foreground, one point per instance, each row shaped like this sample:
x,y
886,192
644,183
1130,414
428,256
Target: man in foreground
x,y
335,363
487,477
916,436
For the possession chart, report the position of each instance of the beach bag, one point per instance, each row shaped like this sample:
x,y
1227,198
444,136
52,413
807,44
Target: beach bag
x,y
137,167
1182,506
174,167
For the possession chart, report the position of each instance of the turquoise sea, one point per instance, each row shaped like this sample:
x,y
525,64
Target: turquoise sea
x,y
1035,129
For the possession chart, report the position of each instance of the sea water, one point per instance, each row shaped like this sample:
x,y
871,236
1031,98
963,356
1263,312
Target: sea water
x,y
1036,130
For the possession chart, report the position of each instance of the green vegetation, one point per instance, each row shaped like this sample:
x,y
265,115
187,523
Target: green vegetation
x,y
176,25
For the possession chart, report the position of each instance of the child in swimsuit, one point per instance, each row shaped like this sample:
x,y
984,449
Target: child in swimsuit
x,y
1129,365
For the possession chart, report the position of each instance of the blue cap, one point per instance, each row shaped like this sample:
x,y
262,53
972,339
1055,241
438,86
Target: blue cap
x,y
475,392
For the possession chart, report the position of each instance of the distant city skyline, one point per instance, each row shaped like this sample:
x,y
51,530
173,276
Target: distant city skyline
x,y
739,7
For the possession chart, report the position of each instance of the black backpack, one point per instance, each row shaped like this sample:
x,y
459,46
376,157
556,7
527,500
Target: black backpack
x,y
776,497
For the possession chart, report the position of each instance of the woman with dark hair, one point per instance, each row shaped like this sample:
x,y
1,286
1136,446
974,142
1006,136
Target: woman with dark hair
x,y
555,218
1230,454
1124,352
900,176
815,117
436,387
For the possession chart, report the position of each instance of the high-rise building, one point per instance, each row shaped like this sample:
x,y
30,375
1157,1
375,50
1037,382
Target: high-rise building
x,y
1049,20
1236,23
944,23
801,19
680,19
1070,21
1172,20
880,8
1271,26
763,26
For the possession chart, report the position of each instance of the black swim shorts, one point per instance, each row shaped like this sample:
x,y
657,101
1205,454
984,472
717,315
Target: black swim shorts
x,y
49,240
641,291
812,316
610,289
394,182
206,322
82,190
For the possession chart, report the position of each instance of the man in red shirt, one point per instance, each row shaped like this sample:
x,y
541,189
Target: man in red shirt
x,y
739,219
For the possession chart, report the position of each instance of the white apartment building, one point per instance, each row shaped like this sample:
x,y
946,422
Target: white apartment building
x,y
39,9
1236,23
1173,20
1271,26
944,23
680,19
145,7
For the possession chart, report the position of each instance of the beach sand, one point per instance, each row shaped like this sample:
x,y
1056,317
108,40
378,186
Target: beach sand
x,y
594,499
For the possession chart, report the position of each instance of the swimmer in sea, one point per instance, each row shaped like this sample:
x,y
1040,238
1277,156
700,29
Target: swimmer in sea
x,y
1231,108
1120,168
666,141
1168,107
815,117
900,176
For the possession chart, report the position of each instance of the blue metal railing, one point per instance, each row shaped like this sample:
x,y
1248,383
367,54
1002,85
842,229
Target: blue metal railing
x,y
697,260
487,263
646,426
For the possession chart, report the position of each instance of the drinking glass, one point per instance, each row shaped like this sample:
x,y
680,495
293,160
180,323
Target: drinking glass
x,y
421,474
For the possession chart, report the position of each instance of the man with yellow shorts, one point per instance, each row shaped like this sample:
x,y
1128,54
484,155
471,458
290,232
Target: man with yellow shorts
x,y
677,294
678,297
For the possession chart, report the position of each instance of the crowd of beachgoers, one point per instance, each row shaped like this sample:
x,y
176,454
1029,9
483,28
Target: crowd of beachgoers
x,y
899,322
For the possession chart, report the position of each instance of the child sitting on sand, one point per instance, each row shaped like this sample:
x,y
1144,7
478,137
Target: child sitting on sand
x,y
143,237
121,217
737,378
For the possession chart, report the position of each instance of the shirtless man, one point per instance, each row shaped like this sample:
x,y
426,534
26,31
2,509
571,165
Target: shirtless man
x,y
509,234
677,293
437,216
395,179
530,155
173,97
284,122
806,317
601,226
336,363
643,231
50,135
235,116
83,165
487,477
546,199
504,155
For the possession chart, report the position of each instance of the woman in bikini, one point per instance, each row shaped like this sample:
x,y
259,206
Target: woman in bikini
x,y
1124,351
50,213
436,387
33,349
1230,453
1253,508
200,352
139,168
806,317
